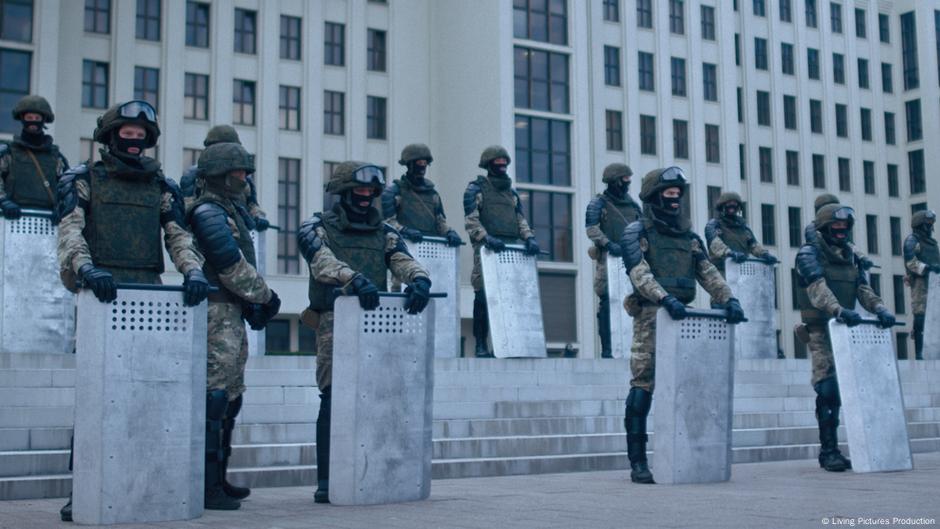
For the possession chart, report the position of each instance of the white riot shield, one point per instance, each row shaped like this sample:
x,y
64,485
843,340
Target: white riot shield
x,y
752,283
511,281
619,287
694,393
872,403
256,339
140,385
932,319
440,260
38,313
383,385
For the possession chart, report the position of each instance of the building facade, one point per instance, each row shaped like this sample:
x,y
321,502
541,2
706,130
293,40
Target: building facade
x,y
779,100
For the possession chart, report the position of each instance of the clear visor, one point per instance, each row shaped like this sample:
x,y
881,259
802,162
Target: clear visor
x,y
672,174
844,213
136,109
369,175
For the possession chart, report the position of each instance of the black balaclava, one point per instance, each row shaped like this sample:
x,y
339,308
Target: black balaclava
x,y
618,189
498,173
357,206
416,173
227,185
925,229
663,208
33,132
730,210
838,237
119,148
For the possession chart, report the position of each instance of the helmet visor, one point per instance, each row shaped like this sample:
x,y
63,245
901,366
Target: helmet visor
x,y
844,213
136,109
673,174
369,175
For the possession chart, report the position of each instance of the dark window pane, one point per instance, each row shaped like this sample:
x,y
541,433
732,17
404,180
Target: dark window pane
x,y
15,75
16,20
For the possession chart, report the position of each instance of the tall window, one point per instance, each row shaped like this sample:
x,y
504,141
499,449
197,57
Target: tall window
x,y
611,66
710,82
874,280
915,166
708,23
887,81
810,10
740,104
289,107
334,113
763,108
899,305
895,224
541,80
197,24
863,73
789,112
334,44
677,17
915,131
94,84
838,68
550,216
842,121
614,130
815,116
16,20
894,185
794,226
612,10
147,85
768,225
243,99
148,20
860,30
647,134
871,231
868,174
793,168
936,30
812,63
541,21
786,11
644,14
890,135
190,157
680,139
845,175
884,28
195,96
835,17
712,144
909,51
766,163
645,66
376,51
376,118
14,84
760,53
819,171
737,49
678,76
742,161
712,194
290,38
865,117
245,31
288,215
543,151
760,9
786,58
98,16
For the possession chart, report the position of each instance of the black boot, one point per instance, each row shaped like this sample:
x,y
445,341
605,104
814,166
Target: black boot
x,y
322,495
603,326
634,422
481,325
828,404
65,513
919,336
215,496
228,425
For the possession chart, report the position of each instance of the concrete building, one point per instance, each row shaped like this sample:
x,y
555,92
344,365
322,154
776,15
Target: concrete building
x,y
779,100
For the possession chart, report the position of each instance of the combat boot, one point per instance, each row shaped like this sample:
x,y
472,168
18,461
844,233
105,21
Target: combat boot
x,y
228,426
322,495
828,404
480,325
603,327
65,513
215,496
634,422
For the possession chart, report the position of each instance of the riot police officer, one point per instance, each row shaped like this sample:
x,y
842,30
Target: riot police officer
x,y
352,248
809,232
220,223
831,273
664,259
606,216
728,235
921,258
493,217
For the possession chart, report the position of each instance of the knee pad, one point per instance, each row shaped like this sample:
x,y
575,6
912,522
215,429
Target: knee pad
x,y
827,392
216,404
638,403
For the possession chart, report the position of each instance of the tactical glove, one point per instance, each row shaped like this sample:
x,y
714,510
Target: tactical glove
x,y
849,317
885,318
11,210
101,282
865,263
770,258
494,244
259,314
738,257
674,307
261,224
195,288
614,249
417,295
532,247
412,234
367,291
453,239
735,314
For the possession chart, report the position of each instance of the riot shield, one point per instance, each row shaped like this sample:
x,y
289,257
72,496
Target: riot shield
x,y
511,281
441,262
383,384
752,283
619,287
932,319
256,339
872,403
694,392
140,382
38,313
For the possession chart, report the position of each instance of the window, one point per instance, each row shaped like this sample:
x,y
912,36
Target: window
x,y
737,49
190,157
197,24
710,82
795,280
550,216
678,76
680,139
277,336
936,30
712,193
863,74
148,20
543,151
865,116
334,44
768,225
14,84
614,130
868,174
740,105
540,20
765,158
920,206
786,58
810,10
334,112
647,134
708,23
98,16
789,112
329,199
712,144
845,175
760,53
541,80
612,10
812,63
16,20
860,30
243,99
871,231
94,84
147,85
288,215
874,280
376,120
375,58
842,121
895,223
912,111
245,31
645,66
644,14
909,51
819,171
742,161
558,307
815,116
899,305
786,11
289,107
838,68
763,108
611,66
794,227
915,167
793,168
890,136
887,82
894,185
676,17
290,38
759,8
195,96
835,17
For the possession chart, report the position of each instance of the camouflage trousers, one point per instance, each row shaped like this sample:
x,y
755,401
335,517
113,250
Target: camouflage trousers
x,y
325,351
918,294
226,349
476,275
643,352
820,352
600,275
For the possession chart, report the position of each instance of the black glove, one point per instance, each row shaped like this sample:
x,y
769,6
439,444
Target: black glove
x,y
735,314
195,288
261,224
674,307
101,282
11,210
532,247
885,318
259,314
417,295
738,257
849,317
453,239
614,249
367,291
866,263
494,244
770,259
412,234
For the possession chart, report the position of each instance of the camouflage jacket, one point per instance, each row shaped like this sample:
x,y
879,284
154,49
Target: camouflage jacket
x,y
6,159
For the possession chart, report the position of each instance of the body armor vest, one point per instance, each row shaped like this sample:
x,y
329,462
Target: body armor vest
x,y
842,278
929,252
498,214
362,249
243,238
25,185
122,226
417,208
670,259
736,237
620,213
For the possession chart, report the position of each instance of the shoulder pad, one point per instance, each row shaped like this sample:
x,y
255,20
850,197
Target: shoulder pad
x,y
702,254
308,240
807,264
66,191
188,182
630,242
388,200
712,230
809,233
177,211
470,197
209,223
910,247
592,216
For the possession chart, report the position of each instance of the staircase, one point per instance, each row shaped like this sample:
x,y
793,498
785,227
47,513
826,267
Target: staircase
x,y
492,417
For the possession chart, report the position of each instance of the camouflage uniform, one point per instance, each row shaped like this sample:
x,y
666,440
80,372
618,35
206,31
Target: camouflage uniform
x,y
730,235
921,258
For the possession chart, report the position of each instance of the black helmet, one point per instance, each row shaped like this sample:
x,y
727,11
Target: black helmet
x,y
135,112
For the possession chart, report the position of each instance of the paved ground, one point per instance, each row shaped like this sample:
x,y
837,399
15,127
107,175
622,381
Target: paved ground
x,y
761,495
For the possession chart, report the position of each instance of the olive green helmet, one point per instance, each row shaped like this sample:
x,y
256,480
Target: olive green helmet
x,y
825,199
615,172
415,151
134,112
923,217
352,174
221,158
491,153
661,179
33,103
729,196
221,134
834,212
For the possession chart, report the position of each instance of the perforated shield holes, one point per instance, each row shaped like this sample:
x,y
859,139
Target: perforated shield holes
x,y
138,315
391,320
31,226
